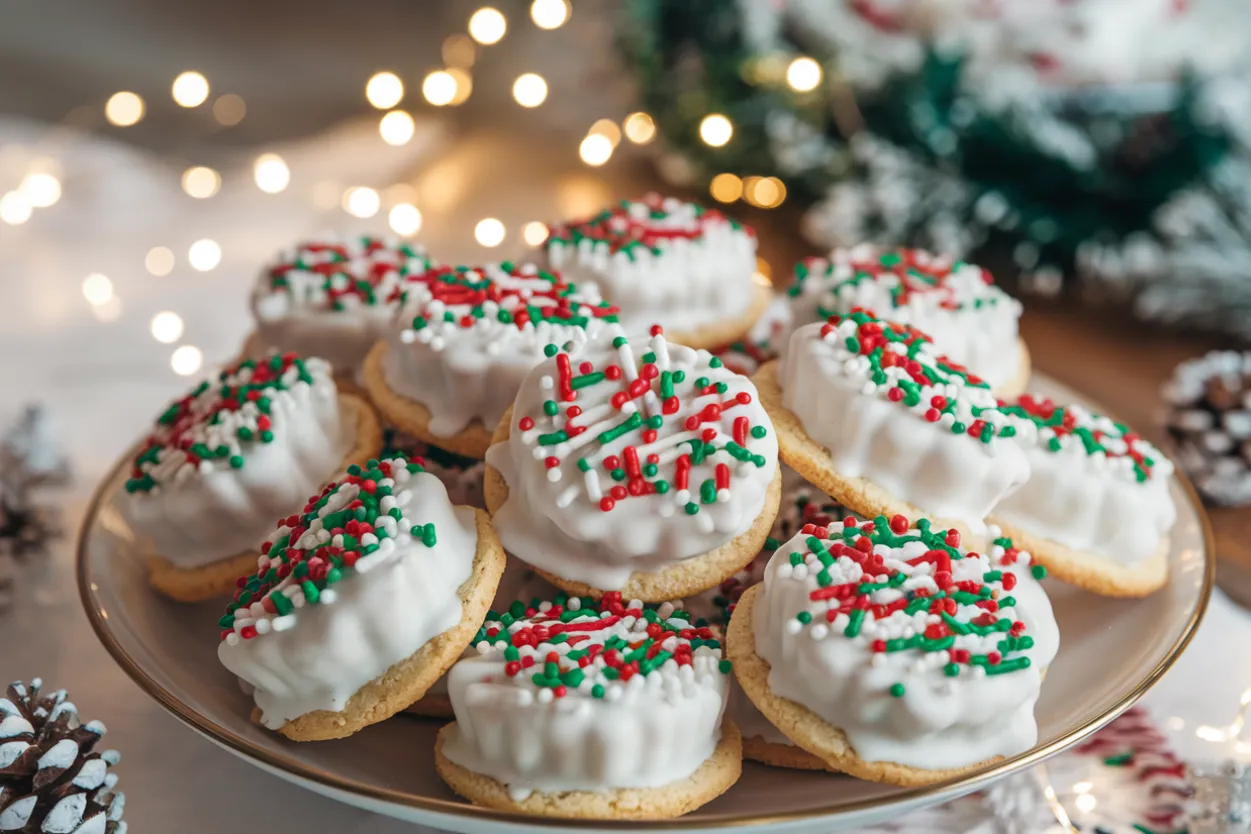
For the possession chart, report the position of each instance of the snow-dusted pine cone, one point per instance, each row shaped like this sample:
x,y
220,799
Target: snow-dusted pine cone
x,y
1209,422
50,781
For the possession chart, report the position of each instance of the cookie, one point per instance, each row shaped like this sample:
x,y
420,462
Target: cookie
x,y
870,414
228,458
667,262
1096,510
637,466
463,341
970,319
361,602
893,655
586,710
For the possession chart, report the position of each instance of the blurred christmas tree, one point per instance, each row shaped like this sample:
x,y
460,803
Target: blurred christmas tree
x,y
1093,139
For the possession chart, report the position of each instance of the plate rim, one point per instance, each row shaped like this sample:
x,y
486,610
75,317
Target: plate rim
x,y
912,796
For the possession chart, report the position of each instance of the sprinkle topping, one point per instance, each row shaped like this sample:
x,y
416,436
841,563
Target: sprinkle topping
x,y
364,271
650,224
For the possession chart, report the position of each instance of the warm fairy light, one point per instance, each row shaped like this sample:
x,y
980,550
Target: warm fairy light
x,y
123,109
764,192
201,182
405,219
464,85
396,127
271,173
186,360
764,272
595,149
459,51
42,190
530,90
204,255
97,289
715,130
190,89
639,128
534,232
726,188
15,208
549,14
439,88
166,327
360,201
487,26
489,232
229,109
159,261
803,75
384,90
608,128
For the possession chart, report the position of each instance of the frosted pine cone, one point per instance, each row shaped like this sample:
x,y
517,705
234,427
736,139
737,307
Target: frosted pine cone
x,y
1209,422
50,781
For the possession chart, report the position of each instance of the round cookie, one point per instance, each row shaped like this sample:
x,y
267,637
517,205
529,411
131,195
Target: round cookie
x,y
358,604
233,454
893,655
870,414
332,298
638,466
587,710
667,262
1096,510
463,341
970,319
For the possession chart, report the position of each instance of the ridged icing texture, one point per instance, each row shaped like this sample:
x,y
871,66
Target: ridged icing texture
x,y
570,694
890,409
361,578
662,261
466,336
233,454
922,653
631,455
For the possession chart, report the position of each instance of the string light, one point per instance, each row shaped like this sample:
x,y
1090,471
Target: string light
x,y
396,127
549,14
42,190
404,219
15,208
764,192
166,327
159,261
123,109
715,130
803,75
534,232
530,90
639,128
97,289
229,109
726,188
489,232
595,149
186,360
464,85
190,89
271,173
607,128
487,26
204,255
384,90
439,88
362,202
201,182
459,51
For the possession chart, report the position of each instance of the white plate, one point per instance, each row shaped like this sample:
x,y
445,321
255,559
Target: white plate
x,y
1111,652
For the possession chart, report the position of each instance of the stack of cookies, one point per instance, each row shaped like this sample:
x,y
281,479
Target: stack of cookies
x,y
630,519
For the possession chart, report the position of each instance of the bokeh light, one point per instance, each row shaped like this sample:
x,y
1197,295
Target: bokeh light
x,y
97,289
229,109
803,74
360,201
607,128
639,128
715,129
404,219
271,173
596,149
487,26
396,127
439,88
159,261
186,360
15,208
384,90
41,189
534,232
124,109
549,14
489,232
204,255
201,182
726,188
166,327
530,90
190,89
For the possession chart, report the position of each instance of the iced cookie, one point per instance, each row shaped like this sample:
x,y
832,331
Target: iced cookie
x,y
667,262
464,339
869,413
332,298
970,319
638,466
892,654
227,459
360,602
461,476
1096,510
587,710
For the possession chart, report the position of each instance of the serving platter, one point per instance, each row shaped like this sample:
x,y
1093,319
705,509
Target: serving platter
x,y
1112,651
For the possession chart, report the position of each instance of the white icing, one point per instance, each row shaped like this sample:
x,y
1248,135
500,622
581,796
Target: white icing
x,y
393,603
465,373
681,284
553,517
938,721
971,320
952,476
201,514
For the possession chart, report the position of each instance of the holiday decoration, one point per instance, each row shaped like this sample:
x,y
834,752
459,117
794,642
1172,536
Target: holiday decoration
x,y
1209,423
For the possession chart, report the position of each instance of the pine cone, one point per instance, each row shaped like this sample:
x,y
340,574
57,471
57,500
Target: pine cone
x,y
50,781
1209,422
